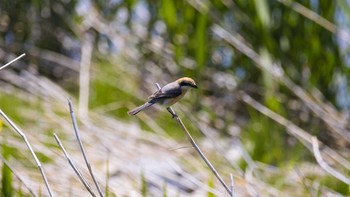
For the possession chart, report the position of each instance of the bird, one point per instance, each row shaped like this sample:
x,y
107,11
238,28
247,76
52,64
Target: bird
x,y
168,94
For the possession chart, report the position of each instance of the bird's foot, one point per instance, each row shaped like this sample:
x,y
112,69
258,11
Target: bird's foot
x,y
172,112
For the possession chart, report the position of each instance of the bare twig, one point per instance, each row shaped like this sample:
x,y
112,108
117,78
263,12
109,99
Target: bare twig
x,y
82,179
76,130
190,138
158,86
17,58
17,175
30,149
324,165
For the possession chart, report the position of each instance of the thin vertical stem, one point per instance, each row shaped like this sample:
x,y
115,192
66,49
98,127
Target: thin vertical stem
x,y
76,130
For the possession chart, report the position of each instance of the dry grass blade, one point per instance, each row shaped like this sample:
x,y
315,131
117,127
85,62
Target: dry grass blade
x,y
232,186
76,130
55,57
247,158
82,179
30,149
194,144
324,165
84,75
304,137
17,58
302,178
17,175
323,22
333,118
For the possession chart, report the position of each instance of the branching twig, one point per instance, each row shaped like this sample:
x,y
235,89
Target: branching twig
x,y
17,175
76,130
324,165
17,58
82,179
30,149
190,138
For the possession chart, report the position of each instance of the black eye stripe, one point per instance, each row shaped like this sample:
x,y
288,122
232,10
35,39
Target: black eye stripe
x,y
185,84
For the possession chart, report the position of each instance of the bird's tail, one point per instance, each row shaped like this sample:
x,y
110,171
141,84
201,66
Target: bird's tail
x,y
139,108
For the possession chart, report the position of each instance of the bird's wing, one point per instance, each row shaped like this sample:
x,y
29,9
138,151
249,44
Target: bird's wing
x,y
170,90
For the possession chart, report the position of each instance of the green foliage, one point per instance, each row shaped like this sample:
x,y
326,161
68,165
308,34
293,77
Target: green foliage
x,y
168,13
6,180
43,158
165,193
19,192
144,186
211,186
269,142
336,185
200,40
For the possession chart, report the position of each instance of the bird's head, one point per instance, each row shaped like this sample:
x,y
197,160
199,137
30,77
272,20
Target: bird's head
x,y
186,82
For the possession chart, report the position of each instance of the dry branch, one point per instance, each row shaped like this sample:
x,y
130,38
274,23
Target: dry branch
x,y
30,149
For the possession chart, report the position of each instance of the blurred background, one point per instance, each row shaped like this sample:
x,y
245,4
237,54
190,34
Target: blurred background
x,y
273,78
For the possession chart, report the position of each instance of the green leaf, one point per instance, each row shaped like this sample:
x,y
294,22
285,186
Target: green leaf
x,y
201,40
168,12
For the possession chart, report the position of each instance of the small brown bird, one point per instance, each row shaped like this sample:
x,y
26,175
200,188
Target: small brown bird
x,y
167,95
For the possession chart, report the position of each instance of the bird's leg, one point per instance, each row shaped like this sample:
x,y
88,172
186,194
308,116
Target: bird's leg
x,y
171,111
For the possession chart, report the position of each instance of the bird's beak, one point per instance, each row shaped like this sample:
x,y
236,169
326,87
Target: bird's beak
x,y
194,86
